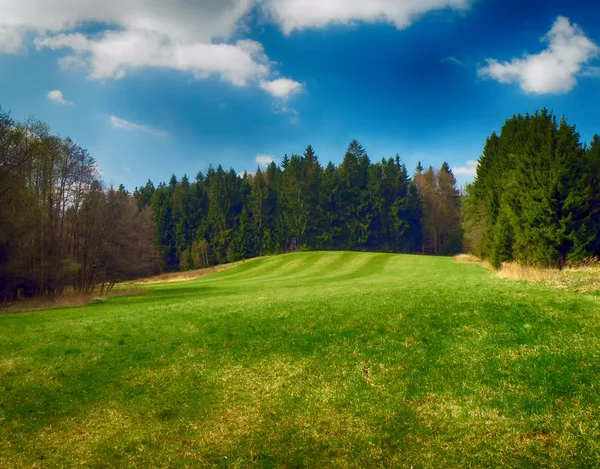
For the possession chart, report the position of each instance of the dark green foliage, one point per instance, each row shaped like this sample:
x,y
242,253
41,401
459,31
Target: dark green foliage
x,y
502,247
533,199
242,246
225,217
593,181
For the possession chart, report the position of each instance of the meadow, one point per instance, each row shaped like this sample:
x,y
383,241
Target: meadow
x,y
309,360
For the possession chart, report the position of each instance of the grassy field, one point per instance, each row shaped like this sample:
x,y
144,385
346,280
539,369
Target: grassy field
x,y
309,360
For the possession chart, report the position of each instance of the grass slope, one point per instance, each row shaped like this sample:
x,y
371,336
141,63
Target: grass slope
x,y
309,359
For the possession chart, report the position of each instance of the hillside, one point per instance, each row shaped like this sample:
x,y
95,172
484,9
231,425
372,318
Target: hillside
x,y
308,359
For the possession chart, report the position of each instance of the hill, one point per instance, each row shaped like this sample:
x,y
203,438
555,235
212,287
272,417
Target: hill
x,y
308,359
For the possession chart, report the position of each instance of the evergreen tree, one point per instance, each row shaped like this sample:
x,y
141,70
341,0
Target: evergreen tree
x,y
242,245
593,184
258,204
536,174
502,248
294,204
165,239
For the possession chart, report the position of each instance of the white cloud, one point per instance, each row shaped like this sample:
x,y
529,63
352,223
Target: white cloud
x,y
553,70
123,124
451,60
281,88
182,20
193,36
11,38
265,160
57,97
126,169
469,170
299,14
115,53
183,35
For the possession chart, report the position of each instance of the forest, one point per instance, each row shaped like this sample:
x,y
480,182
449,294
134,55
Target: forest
x,y
535,200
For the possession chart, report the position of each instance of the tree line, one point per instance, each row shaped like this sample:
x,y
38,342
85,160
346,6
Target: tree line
x,y
358,205
62,228
536,196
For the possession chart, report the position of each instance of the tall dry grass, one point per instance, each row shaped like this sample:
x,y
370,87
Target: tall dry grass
x,y
584,278
183,276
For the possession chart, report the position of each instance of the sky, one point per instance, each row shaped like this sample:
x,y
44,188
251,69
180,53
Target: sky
x,y
154,87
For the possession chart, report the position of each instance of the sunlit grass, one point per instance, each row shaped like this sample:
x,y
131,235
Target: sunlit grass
x,y
309,359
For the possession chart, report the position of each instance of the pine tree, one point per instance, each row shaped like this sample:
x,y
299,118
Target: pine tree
x,y
258,204
294,205
162,209
242,245
354,197
502,248
311,180
593,184
331,234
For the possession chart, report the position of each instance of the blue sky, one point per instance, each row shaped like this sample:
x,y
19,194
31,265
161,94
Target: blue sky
x,y
153,88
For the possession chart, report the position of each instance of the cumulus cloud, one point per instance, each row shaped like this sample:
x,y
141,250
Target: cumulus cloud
x,y
553,70
469,170
281,88
182,35
182,20
115,53
108,39
123,124
185,35
57,97
299,14
265,160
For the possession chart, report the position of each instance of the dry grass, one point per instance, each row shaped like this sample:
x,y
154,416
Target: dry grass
x,y
584,278
66,300
467,259
183,276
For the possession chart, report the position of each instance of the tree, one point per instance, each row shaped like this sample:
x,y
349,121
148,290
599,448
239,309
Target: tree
x,y
259,206
535,174
448,197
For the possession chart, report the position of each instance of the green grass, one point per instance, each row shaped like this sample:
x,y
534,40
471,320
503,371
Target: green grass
x,y
308,360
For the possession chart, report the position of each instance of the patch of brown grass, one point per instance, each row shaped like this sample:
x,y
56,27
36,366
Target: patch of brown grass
x,y
183,276
65,300
467,259
582,279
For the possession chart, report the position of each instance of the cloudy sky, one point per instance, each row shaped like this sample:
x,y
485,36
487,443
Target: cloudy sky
x,y
154,87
